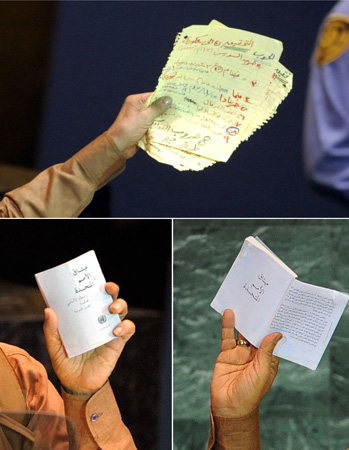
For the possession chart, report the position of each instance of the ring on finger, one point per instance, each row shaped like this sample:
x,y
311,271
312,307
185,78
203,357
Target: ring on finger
x,y
242,342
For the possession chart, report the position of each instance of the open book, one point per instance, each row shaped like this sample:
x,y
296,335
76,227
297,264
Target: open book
x,y
266,297
76,292
225,83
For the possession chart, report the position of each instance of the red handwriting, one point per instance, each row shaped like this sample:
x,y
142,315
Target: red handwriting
x,y
168,77
239,96
231,102
219,69
200,40
206,40
246,62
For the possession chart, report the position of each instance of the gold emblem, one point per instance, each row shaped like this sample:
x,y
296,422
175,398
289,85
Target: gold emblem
x,y
334,40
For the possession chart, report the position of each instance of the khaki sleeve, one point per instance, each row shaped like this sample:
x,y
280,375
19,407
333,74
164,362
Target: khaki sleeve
x,y
64,190
98,421
235,434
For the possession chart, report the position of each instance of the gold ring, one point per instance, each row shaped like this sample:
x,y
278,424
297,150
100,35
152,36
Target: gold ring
x,y
242,342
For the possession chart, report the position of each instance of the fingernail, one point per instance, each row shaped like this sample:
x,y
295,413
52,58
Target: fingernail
x,y
115,309
167,101
118,331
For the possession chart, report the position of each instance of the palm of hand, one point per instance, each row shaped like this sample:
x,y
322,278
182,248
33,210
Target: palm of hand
x,y
240,380
89,370
134,120
86,373
131,124
242,374
134,123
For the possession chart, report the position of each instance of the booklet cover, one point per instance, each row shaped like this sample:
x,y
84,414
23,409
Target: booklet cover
x,y
76,292
266,297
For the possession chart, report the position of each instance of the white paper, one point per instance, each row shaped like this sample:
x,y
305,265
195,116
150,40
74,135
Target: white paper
x,y
253,288
307,318
75,290
266,297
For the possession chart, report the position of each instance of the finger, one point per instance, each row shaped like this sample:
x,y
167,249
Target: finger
x,y
157,108
125,330
228,338
112,289
144,96
242,337
119,306
248,349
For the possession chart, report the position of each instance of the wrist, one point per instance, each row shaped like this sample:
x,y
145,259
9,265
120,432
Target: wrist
x,y
80,393
233,412
115,143
236,433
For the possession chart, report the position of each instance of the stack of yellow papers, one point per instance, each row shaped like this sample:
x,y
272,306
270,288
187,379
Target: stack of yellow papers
x,y
225,83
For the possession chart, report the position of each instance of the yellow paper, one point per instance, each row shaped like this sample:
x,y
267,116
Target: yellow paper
x,y
225,83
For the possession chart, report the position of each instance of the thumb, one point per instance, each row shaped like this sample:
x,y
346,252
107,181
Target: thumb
x,y
268,345
53,339
157,108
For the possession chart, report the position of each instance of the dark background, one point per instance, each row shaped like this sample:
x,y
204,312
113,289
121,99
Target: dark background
x,y
69,65
136,254
132,253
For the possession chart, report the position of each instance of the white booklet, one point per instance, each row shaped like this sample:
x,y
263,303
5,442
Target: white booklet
x,y
76,292
266,297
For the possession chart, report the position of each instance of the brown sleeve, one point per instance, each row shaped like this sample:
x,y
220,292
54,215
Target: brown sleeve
x,y
64,190
98,421
41,397
235,434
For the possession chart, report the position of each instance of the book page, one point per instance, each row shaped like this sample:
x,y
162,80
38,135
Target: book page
x,y
253,288
76,292
225,84
260,244
307,317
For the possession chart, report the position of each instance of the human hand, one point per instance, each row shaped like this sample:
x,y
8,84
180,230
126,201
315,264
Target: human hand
x,y
85,374
133,121
242,374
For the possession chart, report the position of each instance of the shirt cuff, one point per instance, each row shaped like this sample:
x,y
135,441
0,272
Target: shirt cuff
x,y
64,190
97,420
101,160
235,433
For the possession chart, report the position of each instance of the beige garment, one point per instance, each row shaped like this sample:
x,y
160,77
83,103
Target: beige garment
x,y
98,421
235,434
64,190
13,400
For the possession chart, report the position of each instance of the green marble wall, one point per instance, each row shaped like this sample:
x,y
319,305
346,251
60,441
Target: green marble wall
x,y
305,409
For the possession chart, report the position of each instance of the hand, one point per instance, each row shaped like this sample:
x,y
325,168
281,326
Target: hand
x,y
85,374
242,374
133,121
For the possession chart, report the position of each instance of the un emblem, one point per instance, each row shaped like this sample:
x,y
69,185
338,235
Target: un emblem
x,y
102,319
